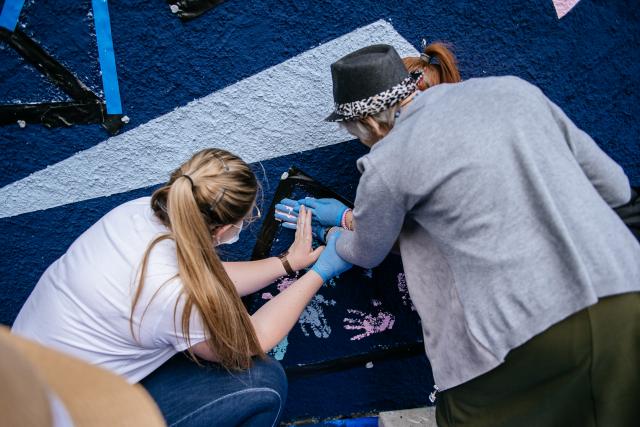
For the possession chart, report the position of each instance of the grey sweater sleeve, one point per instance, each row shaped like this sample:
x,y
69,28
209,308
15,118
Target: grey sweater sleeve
x,y
606,175
378,217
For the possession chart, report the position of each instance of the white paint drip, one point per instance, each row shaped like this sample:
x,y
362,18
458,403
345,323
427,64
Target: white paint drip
x,y
273,113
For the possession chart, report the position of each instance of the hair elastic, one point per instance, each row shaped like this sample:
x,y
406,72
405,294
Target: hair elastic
x,y
424,56
190,180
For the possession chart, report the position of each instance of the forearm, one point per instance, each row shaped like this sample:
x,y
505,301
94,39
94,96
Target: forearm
x,y
274,320
351,226
251,276
350,223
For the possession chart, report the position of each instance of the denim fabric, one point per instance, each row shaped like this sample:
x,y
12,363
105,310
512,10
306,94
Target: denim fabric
x,y
192,395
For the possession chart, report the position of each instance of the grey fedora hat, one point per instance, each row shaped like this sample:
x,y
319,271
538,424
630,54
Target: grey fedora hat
x,y
368,81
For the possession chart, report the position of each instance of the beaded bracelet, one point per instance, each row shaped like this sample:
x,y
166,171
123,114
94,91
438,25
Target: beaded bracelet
x,y
343,222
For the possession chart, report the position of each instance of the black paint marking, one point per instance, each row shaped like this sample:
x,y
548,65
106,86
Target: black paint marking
x,y
190,9
295,177
86,107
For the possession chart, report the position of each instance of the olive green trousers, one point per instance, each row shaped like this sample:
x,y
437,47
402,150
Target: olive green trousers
x,y
584,371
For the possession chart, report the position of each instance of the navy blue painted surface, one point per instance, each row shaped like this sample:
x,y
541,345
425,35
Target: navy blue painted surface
x,y
28,251
390,384
587,63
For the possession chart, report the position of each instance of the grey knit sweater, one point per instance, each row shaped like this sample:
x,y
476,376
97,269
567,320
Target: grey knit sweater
x,y
502,209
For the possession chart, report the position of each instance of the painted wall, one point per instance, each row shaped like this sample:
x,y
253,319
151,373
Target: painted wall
x,y
253,76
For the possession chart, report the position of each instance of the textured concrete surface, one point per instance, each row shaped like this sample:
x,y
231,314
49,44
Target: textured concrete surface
x,y
419,417
247,118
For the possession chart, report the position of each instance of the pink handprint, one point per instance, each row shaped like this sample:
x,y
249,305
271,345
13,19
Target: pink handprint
x,y
282,284
368,323
285,282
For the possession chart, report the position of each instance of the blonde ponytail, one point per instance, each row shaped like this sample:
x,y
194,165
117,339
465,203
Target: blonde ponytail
x,y
212,189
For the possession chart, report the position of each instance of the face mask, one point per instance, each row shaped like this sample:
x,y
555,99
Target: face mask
x,y
233,239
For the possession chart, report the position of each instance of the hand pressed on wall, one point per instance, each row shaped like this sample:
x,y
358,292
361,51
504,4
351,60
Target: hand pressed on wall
x,y
327,212
301,253
287,212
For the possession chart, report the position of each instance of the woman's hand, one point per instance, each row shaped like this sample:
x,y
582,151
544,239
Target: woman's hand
x,y
326,212
301,254
330,264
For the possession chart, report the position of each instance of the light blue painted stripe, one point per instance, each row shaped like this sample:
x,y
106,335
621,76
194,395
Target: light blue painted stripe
x,y
276,112
10,14
106,56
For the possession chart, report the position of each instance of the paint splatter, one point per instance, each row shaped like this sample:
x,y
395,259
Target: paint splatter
x,y
368,323
278,352
404,291
285,282
313,317
331,283
564,6
282,284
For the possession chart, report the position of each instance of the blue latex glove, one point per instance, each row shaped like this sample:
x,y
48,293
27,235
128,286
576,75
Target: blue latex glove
x,y
327,212
287,212
329,265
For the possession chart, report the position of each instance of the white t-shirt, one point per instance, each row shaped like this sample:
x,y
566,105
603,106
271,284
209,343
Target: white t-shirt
x,y
82,303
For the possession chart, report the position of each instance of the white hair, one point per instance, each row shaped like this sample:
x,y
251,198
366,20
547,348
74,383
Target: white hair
x,y
368,135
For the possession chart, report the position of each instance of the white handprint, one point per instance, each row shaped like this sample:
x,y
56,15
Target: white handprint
x,y
313,317
280,350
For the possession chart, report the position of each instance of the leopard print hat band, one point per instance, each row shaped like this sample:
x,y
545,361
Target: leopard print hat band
x,y
378,102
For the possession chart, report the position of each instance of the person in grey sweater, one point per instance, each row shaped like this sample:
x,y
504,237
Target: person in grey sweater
x,y
526,281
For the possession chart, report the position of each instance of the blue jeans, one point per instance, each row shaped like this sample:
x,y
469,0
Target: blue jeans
x,y
192,395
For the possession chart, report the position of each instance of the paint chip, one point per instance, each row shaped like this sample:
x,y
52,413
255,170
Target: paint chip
x,y
125,119
22,124
369,365
174,8
564,6
284,176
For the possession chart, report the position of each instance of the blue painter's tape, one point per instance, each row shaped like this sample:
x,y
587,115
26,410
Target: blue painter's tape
x,y
10,14
106,56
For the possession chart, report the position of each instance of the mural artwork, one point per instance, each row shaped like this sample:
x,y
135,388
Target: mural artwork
x,y
166,79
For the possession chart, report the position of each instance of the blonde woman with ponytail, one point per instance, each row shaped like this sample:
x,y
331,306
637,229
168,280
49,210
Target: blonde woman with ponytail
x,y
145,283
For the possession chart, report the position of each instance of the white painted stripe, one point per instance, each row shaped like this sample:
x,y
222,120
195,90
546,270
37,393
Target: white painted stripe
x,y
276,112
